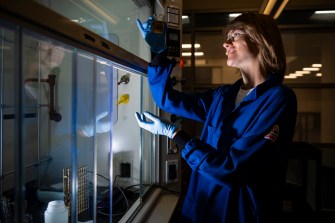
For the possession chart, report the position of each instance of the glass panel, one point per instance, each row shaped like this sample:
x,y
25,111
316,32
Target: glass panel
x,y
312,64
81,141
113,20
47,101
210,59
86,81
7,95
313,68
148,150
126,141
315,115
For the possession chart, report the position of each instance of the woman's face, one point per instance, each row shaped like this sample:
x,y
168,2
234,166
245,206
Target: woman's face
x,y
237,50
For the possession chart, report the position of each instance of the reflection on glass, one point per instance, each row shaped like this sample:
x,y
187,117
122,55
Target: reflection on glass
x,y
94,154
312,64
43,67
114,20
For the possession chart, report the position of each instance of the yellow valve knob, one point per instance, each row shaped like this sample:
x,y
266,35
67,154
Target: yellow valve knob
x,y
124,99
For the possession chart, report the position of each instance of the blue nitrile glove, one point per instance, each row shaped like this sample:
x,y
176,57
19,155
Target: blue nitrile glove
x,y
155,39
156,126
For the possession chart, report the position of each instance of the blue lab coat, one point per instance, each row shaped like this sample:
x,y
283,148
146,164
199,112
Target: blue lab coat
x,y
239,163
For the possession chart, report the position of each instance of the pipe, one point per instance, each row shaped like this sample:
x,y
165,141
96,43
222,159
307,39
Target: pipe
x,y
51,80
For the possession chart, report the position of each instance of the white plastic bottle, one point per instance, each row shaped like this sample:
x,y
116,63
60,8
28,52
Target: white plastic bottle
x,y
56,212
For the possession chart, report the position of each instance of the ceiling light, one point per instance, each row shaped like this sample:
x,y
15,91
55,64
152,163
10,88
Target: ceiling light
x,y
188,45
79,20
99,11
280,9
316,65
311,68
298,74
185,19
318,74
302,72
269,6
233,15
188,54
325,12
198,53
273,7
291,76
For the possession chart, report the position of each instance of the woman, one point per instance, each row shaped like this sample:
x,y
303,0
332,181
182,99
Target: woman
x,y
239,163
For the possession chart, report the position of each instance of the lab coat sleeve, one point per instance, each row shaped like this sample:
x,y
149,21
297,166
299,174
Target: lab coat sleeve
x,y
254,155
194,106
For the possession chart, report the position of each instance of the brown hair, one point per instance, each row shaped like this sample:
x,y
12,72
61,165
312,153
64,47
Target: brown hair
x,y
265,37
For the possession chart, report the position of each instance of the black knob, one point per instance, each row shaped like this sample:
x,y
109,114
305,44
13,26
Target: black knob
x,y
55,116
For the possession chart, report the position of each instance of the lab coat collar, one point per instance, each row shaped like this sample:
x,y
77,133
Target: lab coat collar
x,y
271,81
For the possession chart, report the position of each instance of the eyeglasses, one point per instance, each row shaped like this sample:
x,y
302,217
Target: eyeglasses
x,y
234,36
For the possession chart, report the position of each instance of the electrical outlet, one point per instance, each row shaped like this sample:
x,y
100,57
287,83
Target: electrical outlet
x,y
171,171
